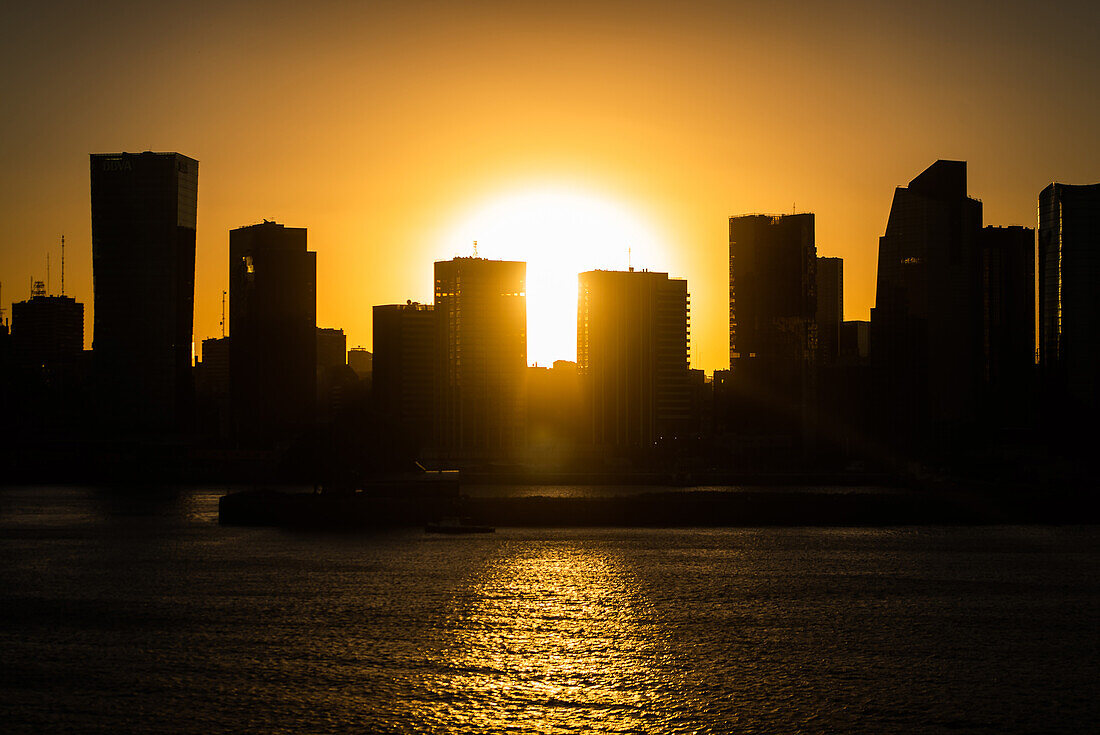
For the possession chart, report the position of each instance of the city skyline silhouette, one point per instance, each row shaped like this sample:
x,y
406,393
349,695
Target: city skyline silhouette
x,y
397,146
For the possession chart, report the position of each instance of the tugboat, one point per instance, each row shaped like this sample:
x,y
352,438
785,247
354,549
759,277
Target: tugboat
x,y
456,526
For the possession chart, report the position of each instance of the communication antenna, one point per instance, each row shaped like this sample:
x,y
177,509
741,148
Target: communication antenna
x,y
47,271
62,265
223,314
1,304
475,248
629,263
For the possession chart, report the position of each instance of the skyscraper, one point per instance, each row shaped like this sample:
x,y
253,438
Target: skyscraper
x,y
403,365
272,332
830,308
1069,296
143,267
481,355
773,320
1008,317
926,327
632,354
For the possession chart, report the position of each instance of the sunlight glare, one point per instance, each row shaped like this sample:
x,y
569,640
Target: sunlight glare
x,y
560,232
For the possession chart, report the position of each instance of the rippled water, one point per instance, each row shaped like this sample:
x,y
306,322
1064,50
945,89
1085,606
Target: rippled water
x,y
120,614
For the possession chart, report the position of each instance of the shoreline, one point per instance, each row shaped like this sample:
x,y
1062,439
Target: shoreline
x,y
662,509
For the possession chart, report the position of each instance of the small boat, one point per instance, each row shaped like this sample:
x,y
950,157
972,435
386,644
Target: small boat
x,y
456,526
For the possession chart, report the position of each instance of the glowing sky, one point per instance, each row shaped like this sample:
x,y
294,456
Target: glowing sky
x,y
386,128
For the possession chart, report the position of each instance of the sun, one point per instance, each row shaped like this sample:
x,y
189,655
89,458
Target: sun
x,y
559,231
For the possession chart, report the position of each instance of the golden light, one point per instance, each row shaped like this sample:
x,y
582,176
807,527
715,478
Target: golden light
x,y
560,231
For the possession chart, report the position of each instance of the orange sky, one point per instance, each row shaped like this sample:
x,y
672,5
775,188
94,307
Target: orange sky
x,y
377,126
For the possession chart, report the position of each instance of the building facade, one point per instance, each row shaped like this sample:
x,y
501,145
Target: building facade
x,y
47,331
830,308
143,267
632,356
926,327
273,333
403,366
481,356
773,321
1008,318
1069,299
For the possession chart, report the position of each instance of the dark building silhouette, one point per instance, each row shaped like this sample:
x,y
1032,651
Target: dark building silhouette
x,y
481,356
926,327
855,341
332,347
361,361
43,376
830,308
1008,320
273,333
334,378
632,355
47,331
554,420
212,405
143,267
773,322
404,366
1069,292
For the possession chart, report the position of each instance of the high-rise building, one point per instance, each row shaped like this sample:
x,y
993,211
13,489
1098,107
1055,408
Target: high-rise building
x,y
403,366
773,321
273,332
926,327
1008,316
1069,297
632,355
143,268
481,355
830,308
47,330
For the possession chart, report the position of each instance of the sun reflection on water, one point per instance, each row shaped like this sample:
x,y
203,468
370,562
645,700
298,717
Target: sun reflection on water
x,y
554,639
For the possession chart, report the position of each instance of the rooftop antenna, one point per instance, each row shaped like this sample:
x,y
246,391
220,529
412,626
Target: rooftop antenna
x,y
47,271
475,248
223,314
793,208
629,263
62,265
1,304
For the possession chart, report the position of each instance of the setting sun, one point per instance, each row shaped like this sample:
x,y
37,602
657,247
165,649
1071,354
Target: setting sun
x,y
559,231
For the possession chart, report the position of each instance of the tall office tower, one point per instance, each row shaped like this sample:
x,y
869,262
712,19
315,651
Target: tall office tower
x,y
273,333
47,331
143,268
830,308
926,327
1008,315
632,354
773,321
403,366
1069,299
481,308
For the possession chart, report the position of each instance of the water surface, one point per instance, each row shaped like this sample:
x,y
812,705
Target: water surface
x,y
124,613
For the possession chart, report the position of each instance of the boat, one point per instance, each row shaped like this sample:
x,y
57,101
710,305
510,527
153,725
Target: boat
x,y
456,526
